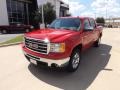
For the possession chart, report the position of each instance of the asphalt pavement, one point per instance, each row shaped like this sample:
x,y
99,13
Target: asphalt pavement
x,y
99,69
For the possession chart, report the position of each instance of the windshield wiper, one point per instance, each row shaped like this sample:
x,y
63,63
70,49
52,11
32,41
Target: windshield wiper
x,y
68,28
63,28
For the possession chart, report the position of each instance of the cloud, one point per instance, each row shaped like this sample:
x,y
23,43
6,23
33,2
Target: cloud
x,y
96,8
75,7
88,14
109,8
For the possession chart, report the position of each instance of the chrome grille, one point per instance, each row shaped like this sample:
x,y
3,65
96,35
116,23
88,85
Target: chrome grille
x,y
36,45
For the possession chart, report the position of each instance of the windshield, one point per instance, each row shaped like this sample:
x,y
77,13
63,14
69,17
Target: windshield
x,y
66,23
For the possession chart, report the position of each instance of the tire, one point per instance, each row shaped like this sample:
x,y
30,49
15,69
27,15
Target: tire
x,y
27,30
74,61
97,43
4,31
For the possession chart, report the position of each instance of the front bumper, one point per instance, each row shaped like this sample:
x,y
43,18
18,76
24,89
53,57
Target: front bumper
x,y
50,62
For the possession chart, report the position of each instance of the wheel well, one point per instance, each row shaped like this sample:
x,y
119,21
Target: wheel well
x,y
3,29
100,34
77,47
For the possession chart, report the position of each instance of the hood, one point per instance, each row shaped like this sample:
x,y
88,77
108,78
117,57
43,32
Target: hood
x,y
51,34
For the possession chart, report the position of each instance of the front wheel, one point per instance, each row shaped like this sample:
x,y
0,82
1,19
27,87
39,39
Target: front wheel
x,y
74,61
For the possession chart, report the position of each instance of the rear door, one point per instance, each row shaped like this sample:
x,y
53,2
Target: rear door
x,y
87,35
95,31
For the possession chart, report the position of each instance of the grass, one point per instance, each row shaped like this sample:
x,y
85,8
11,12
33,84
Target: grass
x,y
12,41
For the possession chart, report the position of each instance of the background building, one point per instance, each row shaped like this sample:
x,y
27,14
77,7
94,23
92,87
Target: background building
x,y
60,7
113,22
21,11
17,11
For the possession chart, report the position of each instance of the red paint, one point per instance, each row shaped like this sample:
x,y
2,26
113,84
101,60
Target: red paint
x,y
69,37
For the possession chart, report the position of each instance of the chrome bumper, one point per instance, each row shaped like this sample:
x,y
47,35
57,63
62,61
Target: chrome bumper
x,y
50,62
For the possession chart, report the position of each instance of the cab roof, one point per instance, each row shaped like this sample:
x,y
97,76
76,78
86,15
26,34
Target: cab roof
x,y
78,17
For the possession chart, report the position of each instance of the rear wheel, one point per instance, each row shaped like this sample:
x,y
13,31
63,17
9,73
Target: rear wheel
x,y
0,31
74,61
4,31
98,42
27,30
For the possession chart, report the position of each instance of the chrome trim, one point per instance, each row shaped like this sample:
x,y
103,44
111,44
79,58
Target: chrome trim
x,y
34,38
47,47
39,42
35,51
59,62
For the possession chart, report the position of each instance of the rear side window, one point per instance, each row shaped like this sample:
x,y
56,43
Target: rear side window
x,y
92,23
86,24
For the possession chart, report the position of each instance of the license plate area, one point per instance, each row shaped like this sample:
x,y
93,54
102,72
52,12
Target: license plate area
x,y
36,60
33,61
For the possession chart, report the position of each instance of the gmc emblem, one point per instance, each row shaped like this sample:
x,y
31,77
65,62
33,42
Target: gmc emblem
x,y
31,45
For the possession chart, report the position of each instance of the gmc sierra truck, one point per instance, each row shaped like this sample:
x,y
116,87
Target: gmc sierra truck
x,y
61,44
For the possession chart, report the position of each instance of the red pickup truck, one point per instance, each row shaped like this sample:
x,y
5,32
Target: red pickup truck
x,y
61,44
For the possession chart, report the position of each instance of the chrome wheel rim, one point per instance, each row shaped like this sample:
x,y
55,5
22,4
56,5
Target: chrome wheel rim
x,y
76,60
27,30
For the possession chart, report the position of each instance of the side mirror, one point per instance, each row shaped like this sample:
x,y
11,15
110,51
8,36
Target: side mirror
x,y
88,28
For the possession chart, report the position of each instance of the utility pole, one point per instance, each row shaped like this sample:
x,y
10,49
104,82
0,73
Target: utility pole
x,y
43,14
107,8
95,15
106,11
43,22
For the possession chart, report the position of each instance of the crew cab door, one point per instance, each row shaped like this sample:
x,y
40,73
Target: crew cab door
x,y
87,34
95,30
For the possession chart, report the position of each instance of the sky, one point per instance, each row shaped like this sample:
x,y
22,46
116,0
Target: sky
x,y
94,8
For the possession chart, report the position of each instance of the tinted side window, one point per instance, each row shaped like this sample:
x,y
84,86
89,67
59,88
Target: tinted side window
x,y
92,23
86,24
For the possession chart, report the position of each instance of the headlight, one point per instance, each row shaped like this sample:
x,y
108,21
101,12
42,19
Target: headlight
x,y
57,47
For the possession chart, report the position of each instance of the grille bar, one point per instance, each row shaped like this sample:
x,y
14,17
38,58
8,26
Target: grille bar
x,y
36,42
36,45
